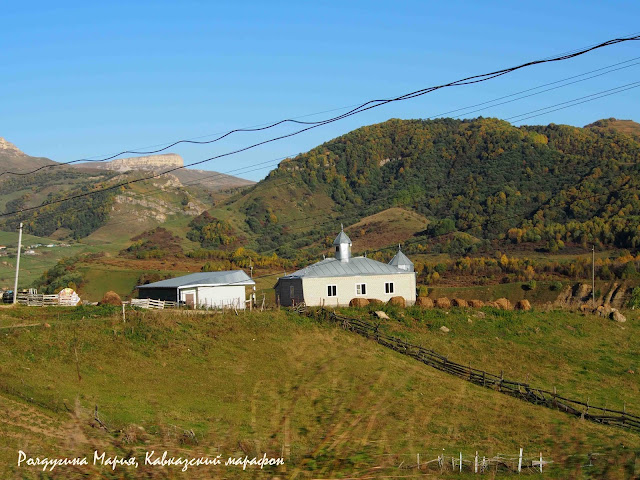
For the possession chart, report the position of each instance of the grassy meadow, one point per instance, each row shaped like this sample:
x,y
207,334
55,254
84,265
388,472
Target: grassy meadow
x,y
331,403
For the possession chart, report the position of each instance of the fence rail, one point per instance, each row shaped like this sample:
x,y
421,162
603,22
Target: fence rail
x,y
39,300
150,303
520,390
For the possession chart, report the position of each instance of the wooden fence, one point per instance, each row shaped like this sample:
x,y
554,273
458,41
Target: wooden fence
x,y
38,300
150,303
483,378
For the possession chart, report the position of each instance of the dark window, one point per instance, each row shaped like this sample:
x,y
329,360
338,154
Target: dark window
x,y
388,287
332,291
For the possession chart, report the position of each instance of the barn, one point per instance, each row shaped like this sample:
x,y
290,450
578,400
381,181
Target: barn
x,y
225,289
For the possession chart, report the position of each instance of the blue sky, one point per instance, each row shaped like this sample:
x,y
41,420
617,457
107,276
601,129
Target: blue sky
x,y
85,79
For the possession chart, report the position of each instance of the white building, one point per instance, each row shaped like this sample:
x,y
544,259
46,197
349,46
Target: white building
x,y
335,281
223,289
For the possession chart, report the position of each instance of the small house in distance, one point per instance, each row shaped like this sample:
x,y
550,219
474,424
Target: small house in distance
x,y
335,281
225,289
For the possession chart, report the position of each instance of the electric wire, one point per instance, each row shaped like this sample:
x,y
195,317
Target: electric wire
x,y
368,105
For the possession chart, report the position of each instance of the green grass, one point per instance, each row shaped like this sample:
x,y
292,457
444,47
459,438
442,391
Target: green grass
x,y
33,266
583,356
335,403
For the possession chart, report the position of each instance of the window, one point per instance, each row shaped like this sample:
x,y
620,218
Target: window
x,y
332,291
361,288
292,291
388,287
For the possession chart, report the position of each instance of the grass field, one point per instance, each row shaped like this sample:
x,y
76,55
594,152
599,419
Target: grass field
x,y
332,403
586,357
33,266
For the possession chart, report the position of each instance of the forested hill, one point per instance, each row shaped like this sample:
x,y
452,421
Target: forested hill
x,y
551,183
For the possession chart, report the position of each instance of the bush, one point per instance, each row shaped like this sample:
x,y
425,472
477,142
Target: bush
x,y
634,301
556,286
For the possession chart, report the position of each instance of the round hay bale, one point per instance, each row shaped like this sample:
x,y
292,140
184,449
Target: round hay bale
x,y
476,303
397,301
459,302
374,301
523,305
491,304
111,298
358,302
425,302
443,302
504,304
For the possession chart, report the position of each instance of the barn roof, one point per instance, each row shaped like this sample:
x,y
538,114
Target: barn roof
x,y
332,267
208,279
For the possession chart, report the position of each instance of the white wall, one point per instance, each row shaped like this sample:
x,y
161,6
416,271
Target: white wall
x,y
216,297
315,289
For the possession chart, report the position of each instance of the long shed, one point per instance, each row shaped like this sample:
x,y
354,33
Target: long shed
x,y
204,290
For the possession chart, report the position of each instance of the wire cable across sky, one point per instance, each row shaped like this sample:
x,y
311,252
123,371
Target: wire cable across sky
x,y
368,105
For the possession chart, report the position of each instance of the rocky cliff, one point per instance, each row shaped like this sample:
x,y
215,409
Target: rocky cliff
x,y
150,162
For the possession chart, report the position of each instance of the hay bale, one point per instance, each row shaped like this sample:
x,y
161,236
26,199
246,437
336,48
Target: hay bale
x,y
358,302
374,301
476,303
459,302
443,302
523,305
504,304
397,301
425,302
111,298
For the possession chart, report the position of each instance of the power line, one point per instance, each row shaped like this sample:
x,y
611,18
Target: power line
x,y
129,182
368,105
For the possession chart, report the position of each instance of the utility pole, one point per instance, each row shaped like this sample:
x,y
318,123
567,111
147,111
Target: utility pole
x,y
593,273
15,285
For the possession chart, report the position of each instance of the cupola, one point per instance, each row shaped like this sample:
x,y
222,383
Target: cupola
x,y
343,246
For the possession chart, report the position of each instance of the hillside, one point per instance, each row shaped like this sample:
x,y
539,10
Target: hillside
x,y
12,159
628,127
541,185
143,205
330,402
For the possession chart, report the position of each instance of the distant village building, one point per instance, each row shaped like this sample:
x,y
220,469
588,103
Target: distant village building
x,y
335,281
225,289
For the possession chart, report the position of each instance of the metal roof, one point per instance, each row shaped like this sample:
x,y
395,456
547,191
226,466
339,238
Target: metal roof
x,y
208,279
342,238
400,259
332,267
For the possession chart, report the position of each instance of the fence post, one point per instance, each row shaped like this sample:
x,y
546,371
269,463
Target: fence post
x,y
540,462
123,317
475,464
460,461
520,461
418,456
